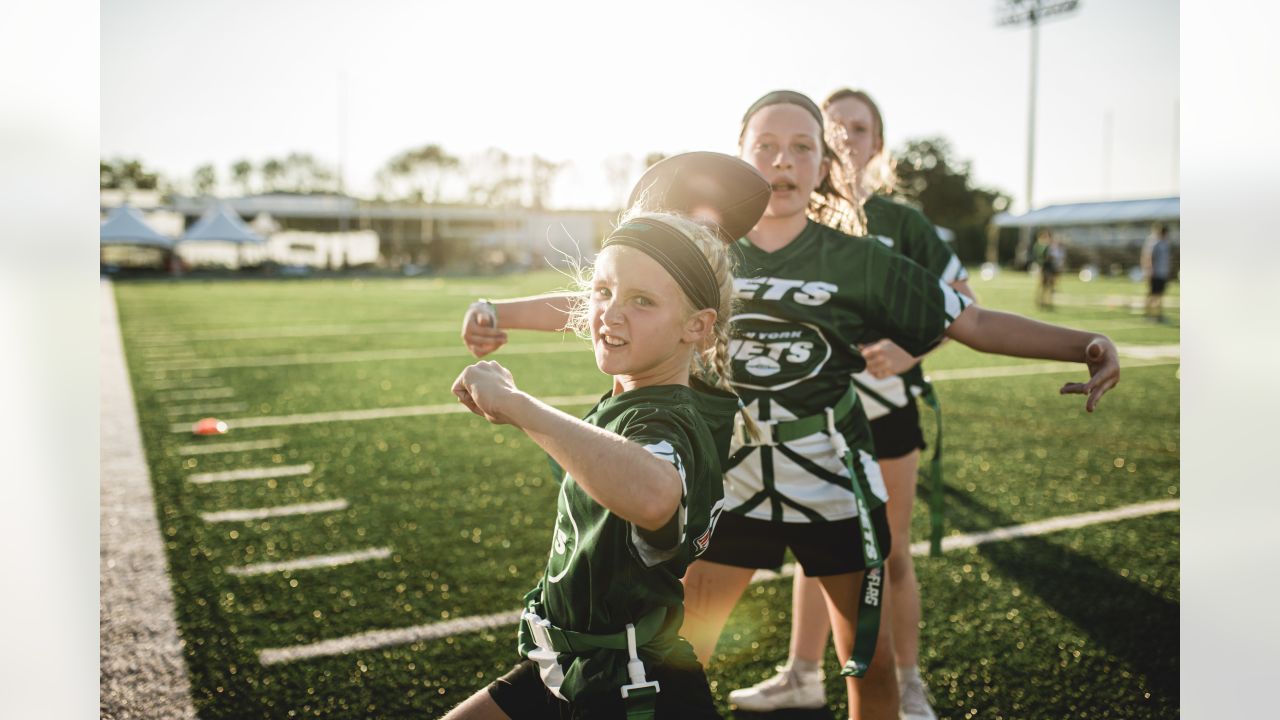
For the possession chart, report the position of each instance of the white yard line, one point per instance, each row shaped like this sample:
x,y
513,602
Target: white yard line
x,y
199,394
226,447
375,639
370,414
142,671
272,512
255,361
1151,352
1133,302
206,408
567,400
311,563
179,384
1163,357
259,473
303,331
1051,525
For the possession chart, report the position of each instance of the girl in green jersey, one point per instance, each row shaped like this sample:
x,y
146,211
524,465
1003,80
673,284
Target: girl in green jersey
x,y
887,390
642,489
809,296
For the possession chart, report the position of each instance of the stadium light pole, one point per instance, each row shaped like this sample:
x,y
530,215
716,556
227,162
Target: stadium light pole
x,y
1031,12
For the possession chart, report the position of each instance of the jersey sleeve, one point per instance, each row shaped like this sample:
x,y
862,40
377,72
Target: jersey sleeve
x,y
908,304
921,243
666,440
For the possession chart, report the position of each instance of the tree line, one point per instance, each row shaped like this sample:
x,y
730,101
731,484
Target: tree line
x,y
930,176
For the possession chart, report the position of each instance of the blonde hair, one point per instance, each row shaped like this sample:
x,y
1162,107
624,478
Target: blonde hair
x,y
711,362
844,210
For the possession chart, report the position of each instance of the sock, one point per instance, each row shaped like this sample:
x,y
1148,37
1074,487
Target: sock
x,y
908,674
802,666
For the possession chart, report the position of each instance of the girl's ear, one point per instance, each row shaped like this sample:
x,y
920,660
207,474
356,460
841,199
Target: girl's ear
x,y
824,168
699,326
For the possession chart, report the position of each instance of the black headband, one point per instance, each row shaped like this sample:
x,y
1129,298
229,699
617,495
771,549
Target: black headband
x,y
784,97
674,252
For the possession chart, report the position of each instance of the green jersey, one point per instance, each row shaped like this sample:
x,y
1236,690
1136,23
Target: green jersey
x,y
907,231
604,572
803,310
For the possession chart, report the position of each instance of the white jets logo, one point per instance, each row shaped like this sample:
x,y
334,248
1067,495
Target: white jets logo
x,y
813,293
779,352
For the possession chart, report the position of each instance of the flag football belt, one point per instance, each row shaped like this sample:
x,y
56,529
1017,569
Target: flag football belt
x,y
777,432
640,695
936,498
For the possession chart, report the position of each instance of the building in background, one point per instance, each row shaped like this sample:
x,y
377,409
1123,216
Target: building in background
x,y
1107,235
336,232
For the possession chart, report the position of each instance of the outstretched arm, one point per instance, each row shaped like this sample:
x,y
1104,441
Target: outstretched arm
x,y
885,358
485,323
1004,333
617,473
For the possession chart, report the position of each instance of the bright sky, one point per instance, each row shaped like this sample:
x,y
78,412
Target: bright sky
x,y
184,83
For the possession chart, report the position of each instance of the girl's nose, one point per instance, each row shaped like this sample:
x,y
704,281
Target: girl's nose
x,y
612,312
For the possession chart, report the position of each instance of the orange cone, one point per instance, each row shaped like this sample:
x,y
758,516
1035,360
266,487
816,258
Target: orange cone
x,y
209,426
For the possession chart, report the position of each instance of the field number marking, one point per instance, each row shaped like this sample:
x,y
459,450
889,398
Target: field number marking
x,y
226,447
260,473
271,512
311,563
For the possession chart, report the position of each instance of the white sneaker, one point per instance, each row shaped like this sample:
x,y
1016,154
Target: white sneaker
x,y
788,689
914,705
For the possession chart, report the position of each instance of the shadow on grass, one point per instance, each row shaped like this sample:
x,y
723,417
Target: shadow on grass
x,y
1117,614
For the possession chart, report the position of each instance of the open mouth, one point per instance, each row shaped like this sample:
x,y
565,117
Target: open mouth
x,y
612,341
783,186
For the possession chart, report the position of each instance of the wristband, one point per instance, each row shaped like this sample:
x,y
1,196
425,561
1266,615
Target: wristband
x,y
493,309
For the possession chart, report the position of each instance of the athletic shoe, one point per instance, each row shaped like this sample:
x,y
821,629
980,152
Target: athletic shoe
x,y
788,689
914,704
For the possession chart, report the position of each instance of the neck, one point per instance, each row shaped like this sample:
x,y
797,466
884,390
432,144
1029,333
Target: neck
x,y
775,233
664,374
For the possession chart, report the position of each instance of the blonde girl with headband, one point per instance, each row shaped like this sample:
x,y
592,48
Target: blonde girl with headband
x,y
887,390
808,297
599,637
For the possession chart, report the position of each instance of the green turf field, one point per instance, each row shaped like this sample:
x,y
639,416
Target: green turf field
x,y
1080,623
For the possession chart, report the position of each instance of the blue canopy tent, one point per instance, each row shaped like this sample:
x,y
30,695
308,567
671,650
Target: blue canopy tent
x,y
221,224
125,227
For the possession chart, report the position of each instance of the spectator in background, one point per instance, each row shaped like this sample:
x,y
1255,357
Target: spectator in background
x,y
1051,257
1156,265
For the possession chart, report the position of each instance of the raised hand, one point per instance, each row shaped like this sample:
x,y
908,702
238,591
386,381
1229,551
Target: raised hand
x,y
1104,372
480,331
487,390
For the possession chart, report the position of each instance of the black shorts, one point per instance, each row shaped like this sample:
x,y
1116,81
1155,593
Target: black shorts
x,y
682,693
898,433
825,548
1157,285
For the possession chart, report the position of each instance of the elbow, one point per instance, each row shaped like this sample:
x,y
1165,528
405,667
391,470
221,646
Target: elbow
x,y
655,516
662,503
